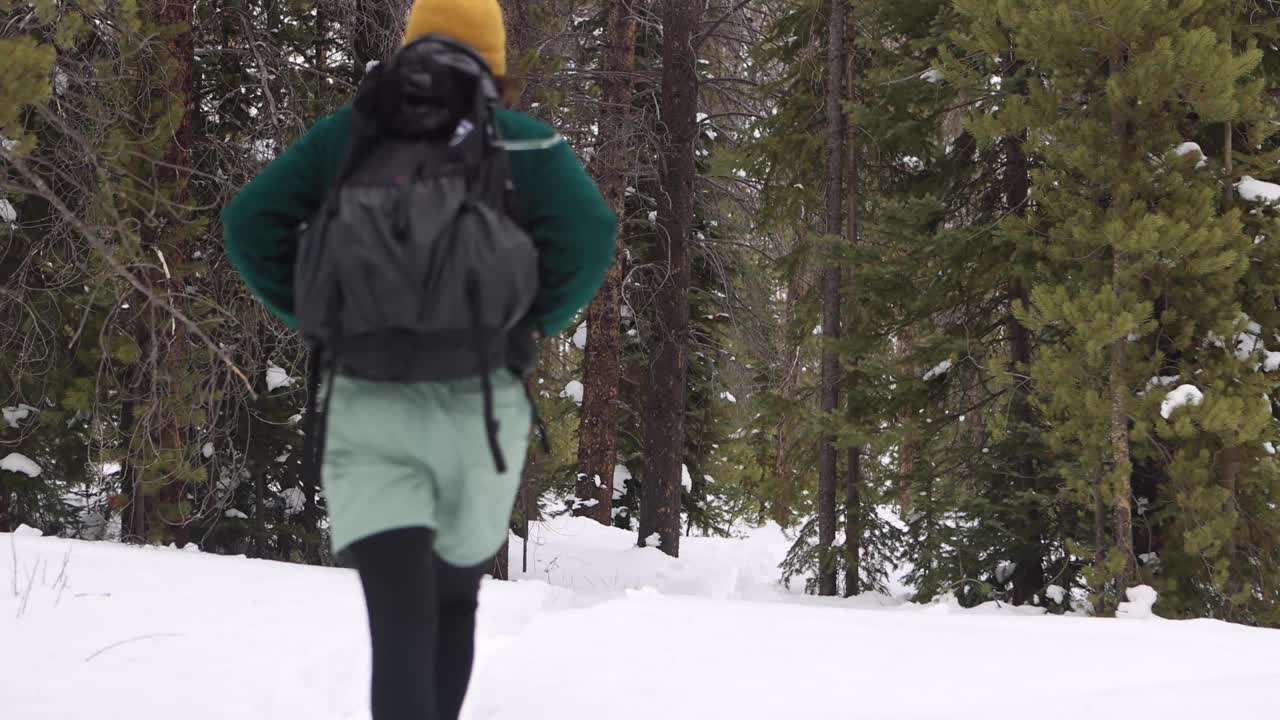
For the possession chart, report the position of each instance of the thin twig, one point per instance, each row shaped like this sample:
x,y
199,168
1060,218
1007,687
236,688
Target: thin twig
x,y
113,646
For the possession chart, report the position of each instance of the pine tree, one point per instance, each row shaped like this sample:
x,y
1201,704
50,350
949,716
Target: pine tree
x,y
1146,266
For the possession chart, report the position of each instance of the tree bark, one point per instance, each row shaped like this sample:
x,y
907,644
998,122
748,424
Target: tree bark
x,y
6,503
853,231
1028,575
1119,465
602,358
664,421
158,411
522,43
853,524
1099,534
782,507
831,277
905,347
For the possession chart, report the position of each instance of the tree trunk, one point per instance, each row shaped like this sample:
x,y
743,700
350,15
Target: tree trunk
x,y
6,504
853,524
1099,535
905,347
1119,465
158,410
1028,575
260,513
782,508
853,231
602,359
378,30
831,276
522,50
664,419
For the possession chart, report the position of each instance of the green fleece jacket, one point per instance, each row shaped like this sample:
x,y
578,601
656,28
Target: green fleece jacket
x,y
569,221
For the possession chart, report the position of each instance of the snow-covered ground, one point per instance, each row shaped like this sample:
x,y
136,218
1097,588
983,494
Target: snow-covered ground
x,y
596,629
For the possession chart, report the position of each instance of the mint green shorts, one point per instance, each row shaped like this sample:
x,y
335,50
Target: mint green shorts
x,y
417,455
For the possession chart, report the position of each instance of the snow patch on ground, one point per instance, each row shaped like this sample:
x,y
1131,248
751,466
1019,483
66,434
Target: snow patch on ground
x,y
1180,397
580,337
8,214
154,625
686,480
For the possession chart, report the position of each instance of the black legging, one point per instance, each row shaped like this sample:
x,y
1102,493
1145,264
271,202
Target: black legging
x,y
422,621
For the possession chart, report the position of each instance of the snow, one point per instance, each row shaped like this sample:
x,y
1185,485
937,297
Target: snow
x,y
1141,600
580,337
277,378
294,501
1180,397
686,480
207,450
1161,381
1258,190
1193,150
15,415
8,214
1056,593
695,635
18,463
620,477
1269,447
728,396
932,75
235,514
1270,361
573,390
939,370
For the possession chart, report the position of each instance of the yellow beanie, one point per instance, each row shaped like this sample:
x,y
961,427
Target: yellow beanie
x,y
474,23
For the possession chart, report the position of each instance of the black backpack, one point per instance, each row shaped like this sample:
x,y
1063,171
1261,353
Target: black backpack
x,y
416,269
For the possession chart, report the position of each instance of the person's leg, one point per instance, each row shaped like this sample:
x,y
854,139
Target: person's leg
x,y
398,571
459,590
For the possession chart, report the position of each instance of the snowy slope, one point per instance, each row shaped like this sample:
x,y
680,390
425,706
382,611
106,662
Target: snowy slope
x,y
596,629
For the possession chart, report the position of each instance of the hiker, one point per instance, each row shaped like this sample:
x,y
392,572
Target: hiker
x,y
422,240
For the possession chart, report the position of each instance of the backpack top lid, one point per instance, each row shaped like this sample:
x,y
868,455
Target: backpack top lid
x,y
427,88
